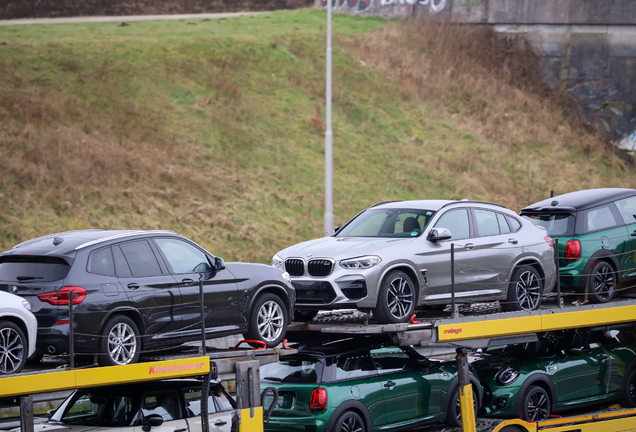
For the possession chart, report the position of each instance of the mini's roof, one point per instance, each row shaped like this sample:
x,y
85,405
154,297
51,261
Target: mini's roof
x,y
580,200
65,242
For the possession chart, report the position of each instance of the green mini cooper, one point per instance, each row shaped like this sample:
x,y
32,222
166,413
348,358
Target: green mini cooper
x,y
596,233
348,387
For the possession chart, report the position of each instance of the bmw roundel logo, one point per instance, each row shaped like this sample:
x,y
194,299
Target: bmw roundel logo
x,y
14,289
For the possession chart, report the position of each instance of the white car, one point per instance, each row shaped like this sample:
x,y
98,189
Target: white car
x,y
160,406
18,331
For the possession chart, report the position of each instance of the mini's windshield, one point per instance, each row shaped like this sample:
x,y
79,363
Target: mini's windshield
x,y
379,222
98,409
556,224
296,370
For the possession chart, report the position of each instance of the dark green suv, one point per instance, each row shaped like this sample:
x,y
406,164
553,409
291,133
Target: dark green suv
x,y
562,370
353,386
596,232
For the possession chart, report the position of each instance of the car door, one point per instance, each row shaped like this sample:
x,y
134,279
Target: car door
x,y
435,258
220,410
498,249
410,393
188,264
150,288
627,209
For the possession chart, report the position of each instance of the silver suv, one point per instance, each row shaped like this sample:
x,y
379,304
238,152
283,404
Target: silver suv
x,y
395,257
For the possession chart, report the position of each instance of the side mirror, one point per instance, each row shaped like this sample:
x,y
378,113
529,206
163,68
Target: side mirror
x,y
150,421
49,413
336,229
439,234
219,264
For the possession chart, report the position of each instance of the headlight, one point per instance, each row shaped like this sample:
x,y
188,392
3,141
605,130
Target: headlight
x,y
26,304
278,262
507,376
286,276
364,262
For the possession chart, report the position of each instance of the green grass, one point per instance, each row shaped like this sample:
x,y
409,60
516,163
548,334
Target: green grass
x,y
216,130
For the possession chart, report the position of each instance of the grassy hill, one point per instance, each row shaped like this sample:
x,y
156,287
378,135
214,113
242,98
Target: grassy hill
x,y
215,128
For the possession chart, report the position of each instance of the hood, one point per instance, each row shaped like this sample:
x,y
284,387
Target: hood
x,y
60,427
341,247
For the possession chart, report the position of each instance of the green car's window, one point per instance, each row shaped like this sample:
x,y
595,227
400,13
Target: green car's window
x,y
556,224
354,366
627,209
293,370
387,360
599,218
387,223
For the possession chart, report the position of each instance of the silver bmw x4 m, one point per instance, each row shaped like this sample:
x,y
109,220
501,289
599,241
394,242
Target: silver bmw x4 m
x,y
395,257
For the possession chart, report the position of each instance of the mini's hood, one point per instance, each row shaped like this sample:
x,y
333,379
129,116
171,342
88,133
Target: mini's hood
x,y
59,427
341,247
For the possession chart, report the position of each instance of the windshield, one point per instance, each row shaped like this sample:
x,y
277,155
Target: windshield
x,y
293,370
556,224
387,223
98,409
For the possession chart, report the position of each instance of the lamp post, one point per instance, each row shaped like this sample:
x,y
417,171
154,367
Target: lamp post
x,y
328,136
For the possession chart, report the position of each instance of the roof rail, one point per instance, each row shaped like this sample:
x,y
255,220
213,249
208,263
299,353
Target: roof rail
x,y
51,236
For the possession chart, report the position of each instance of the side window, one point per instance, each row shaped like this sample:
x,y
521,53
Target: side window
x,y
140,258
387,360
223,402
354,366
457,222
503,225
101,262
514,224
193,403
122,269
627,208
165,403
486,222
182,256
599,218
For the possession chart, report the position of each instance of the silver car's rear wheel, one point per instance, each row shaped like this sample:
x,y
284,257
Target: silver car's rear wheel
x,y
524,291
396,299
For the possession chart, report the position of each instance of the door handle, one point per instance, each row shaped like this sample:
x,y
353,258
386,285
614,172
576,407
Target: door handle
x,y
633,234
513,241
133,285
220,423
389,384
187,282
469,246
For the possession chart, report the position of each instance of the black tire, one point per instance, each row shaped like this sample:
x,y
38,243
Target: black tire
x,y
120,342
268,320
524,291
601,283
454,411
349,421
305,315
628,399
535,404
14,348
396,298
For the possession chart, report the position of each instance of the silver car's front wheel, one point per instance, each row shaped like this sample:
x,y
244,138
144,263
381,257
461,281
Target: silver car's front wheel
x,y
396,299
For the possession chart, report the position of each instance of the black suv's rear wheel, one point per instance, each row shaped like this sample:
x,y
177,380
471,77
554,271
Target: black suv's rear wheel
x,y
601,282
120,343
13,348
524,290
268,320
396,299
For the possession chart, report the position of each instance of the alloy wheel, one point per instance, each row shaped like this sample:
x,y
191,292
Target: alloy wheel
x,y
400,297
270,320
604,282
11,350
122,344
529,291
538,407
352,424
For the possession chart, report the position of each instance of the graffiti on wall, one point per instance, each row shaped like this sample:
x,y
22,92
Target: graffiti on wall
x,y
436,6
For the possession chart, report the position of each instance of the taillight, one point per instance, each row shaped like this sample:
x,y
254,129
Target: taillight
x,y
318,400
61,296
573,250
549,240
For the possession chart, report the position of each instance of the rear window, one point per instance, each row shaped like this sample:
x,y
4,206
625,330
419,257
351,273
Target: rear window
x,y
32,268
556,224
296,370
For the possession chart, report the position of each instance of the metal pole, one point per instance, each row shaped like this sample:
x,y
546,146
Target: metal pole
x,y
465,392
202,305
558,277
328,137
71,341
453,306
26,414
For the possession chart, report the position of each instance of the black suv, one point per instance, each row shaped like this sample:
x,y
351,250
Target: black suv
x,y
139,290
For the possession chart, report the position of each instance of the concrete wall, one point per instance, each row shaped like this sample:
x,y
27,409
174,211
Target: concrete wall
x,y
588,47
